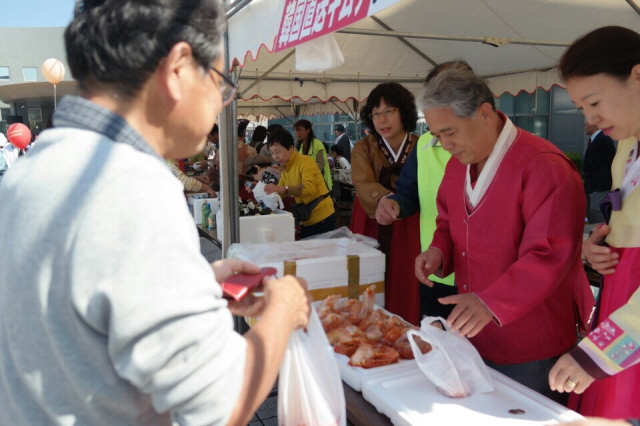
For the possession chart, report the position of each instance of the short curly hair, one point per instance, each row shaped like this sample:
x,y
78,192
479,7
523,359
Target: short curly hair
x,y
395,95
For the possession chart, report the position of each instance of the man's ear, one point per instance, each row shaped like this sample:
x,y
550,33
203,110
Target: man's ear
x,y
486,110
635,75
175,70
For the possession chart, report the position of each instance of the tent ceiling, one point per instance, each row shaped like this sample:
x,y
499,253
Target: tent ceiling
x,y
535,33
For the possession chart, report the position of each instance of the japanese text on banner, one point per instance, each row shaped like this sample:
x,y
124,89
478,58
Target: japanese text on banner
x,y
304,20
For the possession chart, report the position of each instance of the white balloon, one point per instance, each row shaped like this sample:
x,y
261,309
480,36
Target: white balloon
x,y
53,70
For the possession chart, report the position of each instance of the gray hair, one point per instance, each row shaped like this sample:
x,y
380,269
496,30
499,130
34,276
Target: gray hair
x,y
459,89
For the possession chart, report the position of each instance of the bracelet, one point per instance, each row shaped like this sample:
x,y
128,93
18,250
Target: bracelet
x,y
388,194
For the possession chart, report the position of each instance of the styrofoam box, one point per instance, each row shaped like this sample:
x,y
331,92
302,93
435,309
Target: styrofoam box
x,y
195,206
322,263
407,397
278,227
353,376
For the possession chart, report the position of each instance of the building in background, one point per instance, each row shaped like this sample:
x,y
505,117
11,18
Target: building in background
x,y
25,95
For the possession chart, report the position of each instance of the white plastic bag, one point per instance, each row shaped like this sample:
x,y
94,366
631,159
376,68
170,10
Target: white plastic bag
x,y
319,54
310,390
453,365
273,201
344,232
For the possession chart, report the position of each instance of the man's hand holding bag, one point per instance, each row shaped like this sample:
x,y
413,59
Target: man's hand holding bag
x,y
310,389
453,365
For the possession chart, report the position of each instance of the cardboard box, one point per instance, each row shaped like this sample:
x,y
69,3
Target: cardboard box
x,y
277,227
334,266
195,206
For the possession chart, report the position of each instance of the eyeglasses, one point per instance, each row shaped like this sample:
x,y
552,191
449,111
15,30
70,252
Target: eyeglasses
x,y
227,87
387,113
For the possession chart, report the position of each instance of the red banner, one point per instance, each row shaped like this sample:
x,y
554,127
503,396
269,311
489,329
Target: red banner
x,y
304,20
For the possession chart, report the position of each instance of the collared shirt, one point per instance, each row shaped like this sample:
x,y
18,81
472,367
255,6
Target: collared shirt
x,y
80,113
505,140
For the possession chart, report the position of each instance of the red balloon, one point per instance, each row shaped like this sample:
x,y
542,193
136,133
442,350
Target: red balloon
x,y
19,135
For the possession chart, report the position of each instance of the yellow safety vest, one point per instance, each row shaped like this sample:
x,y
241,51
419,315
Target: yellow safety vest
x,y
432,160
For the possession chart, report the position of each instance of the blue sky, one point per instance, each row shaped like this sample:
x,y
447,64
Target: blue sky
x,y
36,13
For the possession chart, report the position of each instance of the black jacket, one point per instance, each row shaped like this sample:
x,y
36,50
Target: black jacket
x,y
345,143
597,164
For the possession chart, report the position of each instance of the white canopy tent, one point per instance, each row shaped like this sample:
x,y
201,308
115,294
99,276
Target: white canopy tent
x,y
514,43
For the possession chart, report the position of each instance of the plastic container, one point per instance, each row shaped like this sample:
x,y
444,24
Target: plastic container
x,y
206,212
211,221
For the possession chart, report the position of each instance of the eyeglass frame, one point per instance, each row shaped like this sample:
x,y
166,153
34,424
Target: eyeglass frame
x,y
374,116
229,87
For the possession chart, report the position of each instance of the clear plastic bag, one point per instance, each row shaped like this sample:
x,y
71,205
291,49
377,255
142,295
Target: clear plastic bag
x,y
310,390
344,232
453,365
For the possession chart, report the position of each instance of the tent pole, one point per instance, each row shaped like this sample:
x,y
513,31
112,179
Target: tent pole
x,y
229,180
384,79
634,6
494,41
237,7
228,169
285,116
404,40
338,106
342,80
269,71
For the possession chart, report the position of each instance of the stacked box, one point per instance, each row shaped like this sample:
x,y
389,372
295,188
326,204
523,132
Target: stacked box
x,y
277,227
334,266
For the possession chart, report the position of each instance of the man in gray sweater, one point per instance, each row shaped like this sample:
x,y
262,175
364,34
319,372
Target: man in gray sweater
x,y
109,314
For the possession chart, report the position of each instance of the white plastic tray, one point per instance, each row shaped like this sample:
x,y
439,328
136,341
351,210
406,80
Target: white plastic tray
x,y
353,376
407,397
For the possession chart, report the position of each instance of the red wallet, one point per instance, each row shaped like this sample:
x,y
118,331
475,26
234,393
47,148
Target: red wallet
x,y
237,286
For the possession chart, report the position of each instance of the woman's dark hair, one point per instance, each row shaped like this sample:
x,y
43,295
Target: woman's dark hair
x,y
607,50
337,149
273,127
282,137
394,95
259,133
304,146
242,127
214,130
120,43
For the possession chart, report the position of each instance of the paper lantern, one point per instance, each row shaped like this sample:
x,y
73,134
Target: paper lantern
x,y
19,135
53,70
